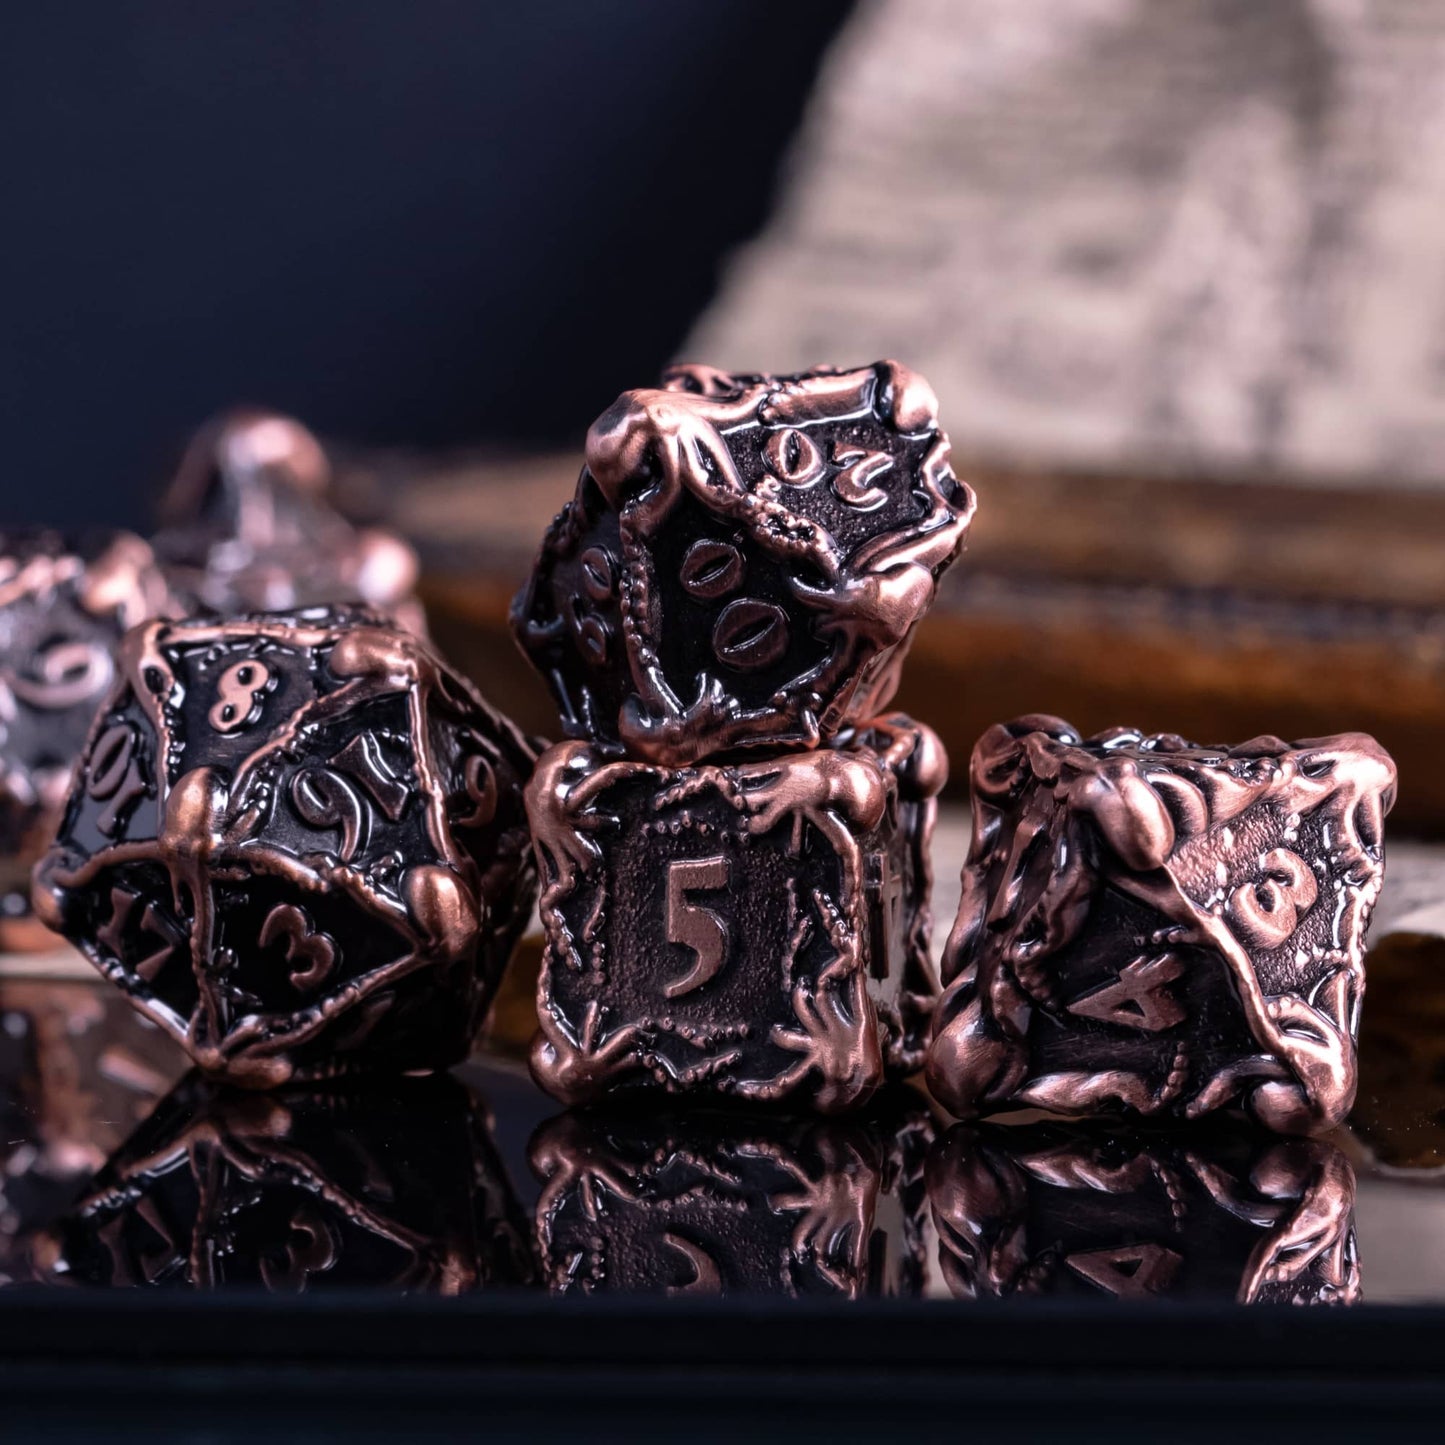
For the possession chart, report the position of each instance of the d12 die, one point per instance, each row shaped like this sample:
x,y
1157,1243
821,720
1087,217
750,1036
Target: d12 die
x,y
754,929
734,1202
398,1188
247,524
1082,1210
298,843
1157,927
64,605
745,560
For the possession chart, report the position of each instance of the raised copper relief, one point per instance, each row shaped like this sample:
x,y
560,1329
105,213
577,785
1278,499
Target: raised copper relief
x,y
745,560
297,843
1161,928
758,929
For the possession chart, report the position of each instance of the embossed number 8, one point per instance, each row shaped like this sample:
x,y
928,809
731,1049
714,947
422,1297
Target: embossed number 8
x,y
239,692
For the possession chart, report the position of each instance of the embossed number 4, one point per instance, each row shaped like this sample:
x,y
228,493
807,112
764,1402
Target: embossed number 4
x,y
692,926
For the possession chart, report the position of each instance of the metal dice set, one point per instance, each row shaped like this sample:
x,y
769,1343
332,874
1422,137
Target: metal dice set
x,y
733,839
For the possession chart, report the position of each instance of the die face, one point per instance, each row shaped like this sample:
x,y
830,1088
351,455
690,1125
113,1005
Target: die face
x,y
1162,928
727,1203
284,832
246,525
299,1192
744,561
64,604
734,929
1053,1211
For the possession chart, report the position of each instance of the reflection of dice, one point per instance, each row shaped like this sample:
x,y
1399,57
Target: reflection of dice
x,y
1053,1209
400,1188
64,604
286,838
756,929
1161,928
717,1202
744,561
246,524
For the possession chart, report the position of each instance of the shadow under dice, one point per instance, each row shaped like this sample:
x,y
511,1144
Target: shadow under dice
x,y
1058,1210
758,930
1163,929
744,561
297,842
727,1203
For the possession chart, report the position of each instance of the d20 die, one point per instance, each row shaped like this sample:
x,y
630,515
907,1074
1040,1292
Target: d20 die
x,y
398,1188
734,1202
247,524
753,929
1082,1210
64,605
1162,928
745,560
298,843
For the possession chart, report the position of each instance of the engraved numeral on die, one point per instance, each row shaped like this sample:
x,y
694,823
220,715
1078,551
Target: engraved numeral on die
x,y
239,694
152,921
1268,909
114,776
313,952
1140,999
693,927
1133,1271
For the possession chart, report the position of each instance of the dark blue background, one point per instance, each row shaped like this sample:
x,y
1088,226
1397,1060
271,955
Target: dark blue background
x,y
406,221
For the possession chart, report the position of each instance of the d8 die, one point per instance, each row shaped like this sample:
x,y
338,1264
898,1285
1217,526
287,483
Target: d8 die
x,y
297,842
64,604
1162,928
398,1188
718,1202
752,929
246,523
744,561
1082,1210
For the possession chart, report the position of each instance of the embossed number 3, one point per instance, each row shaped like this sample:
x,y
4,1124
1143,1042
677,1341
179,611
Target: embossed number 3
x,y
1268,910
239,691
694,927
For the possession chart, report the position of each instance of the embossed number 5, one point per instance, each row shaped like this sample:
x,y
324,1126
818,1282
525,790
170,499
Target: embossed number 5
x,y
694,927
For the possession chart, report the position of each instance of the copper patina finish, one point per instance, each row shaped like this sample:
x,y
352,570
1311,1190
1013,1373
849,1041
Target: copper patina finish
x,y
1160,927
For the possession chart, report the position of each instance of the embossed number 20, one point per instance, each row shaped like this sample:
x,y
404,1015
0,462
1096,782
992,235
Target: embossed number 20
x,y
693,927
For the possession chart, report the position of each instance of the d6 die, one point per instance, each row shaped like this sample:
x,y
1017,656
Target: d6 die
x,y
246,524
1158,927
722,1202
755,929
297,842
744,561
1083,1210
64,605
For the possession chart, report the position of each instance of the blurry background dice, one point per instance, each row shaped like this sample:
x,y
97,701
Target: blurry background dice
x,y
755,929
1081,1210
398,1187
1162,928
744,561
727,1202
297,842
64,603
247,525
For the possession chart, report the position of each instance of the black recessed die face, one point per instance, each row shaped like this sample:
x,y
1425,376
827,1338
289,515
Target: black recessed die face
x,y
284,840
744,560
